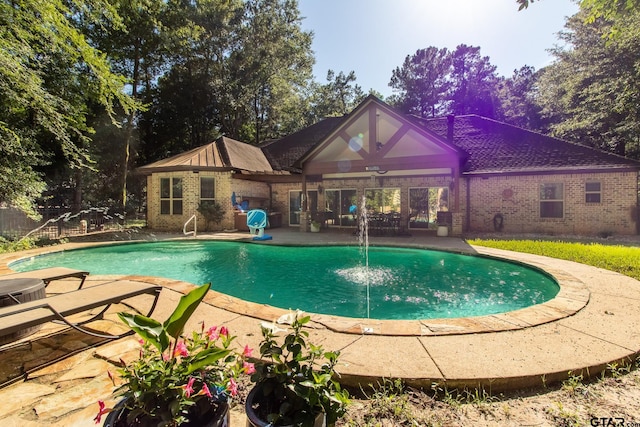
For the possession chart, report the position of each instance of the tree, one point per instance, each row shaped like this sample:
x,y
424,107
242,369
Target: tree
x,y
518,99
48,73
592,92
272,64
134,50
337,97
474,83
596,9
237,68
436,82
423,82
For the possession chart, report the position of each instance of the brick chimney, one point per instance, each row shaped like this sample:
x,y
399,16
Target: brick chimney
x,y
450,122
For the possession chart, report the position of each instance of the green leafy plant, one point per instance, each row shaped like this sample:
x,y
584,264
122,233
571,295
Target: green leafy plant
x,y
212,211
178,378
296,378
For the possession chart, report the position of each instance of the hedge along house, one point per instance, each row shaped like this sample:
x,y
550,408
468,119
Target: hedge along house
x,y
468,172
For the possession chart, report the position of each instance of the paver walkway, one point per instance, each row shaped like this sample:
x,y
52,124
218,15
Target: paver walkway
x,y
594,321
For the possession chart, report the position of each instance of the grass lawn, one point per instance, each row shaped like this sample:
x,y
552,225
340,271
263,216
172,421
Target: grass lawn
x,y
621,259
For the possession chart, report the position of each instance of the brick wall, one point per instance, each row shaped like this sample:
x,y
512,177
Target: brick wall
x,y
517,199
190,201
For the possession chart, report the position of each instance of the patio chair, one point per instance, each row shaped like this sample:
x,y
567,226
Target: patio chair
x,y
48,275
57,308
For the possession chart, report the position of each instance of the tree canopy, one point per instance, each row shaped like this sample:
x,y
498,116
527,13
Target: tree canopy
x,y
591,93
49,73
91,88
436,81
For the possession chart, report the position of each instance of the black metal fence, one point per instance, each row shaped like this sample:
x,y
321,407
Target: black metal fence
x,y
58,222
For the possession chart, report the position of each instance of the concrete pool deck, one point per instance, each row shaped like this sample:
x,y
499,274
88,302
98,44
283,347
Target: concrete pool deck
x,y
594,321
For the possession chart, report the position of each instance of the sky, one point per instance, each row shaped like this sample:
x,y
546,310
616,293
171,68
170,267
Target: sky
x,y
373,37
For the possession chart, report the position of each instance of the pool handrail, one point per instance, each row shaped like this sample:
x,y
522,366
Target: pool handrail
x,y
195,226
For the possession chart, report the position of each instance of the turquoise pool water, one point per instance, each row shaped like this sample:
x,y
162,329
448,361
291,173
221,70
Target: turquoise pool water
x,y
404,283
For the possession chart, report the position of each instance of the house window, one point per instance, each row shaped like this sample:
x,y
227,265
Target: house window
x,y
425,203
341,207
552,200
383,200
592,191
207,189
171,196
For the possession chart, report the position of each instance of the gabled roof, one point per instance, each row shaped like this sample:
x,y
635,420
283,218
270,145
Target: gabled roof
x,y
283,153
223,154
496,147
375,135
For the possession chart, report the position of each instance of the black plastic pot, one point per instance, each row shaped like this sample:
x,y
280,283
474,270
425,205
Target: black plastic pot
x,y
216,416
253,420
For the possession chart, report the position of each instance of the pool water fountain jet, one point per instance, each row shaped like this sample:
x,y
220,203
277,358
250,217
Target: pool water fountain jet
x,y
363,240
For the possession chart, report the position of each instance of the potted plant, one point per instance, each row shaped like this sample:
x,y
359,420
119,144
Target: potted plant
x,y
177,380
295,381
315,227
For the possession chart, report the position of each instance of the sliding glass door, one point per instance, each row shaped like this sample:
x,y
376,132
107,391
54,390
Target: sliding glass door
x,y
424,204
341,206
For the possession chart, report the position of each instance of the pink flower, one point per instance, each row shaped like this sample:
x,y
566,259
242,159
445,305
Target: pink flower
x,y
212,333
101,412
181,350
188,388
248,368
224,331
233,387
247,351
206,391
165,357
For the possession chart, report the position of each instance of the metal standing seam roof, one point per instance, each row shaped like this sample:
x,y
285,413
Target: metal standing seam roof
x,y
223,153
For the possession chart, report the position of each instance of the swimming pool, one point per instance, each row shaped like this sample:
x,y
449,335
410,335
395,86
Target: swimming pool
x,y
404,283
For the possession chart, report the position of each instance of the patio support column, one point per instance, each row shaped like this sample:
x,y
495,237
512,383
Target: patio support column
x,y
456,189
456,217
304,193
304,214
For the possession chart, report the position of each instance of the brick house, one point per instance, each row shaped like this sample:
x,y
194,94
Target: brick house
x,y
467,173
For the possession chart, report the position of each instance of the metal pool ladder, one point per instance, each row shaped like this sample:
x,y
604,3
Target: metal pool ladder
x,y
195,226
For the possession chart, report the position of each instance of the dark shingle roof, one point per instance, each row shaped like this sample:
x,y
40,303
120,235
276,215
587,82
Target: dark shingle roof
x,y
285,152
495,147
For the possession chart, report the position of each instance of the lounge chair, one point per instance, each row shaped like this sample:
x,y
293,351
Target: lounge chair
x,y
58,308
48,275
